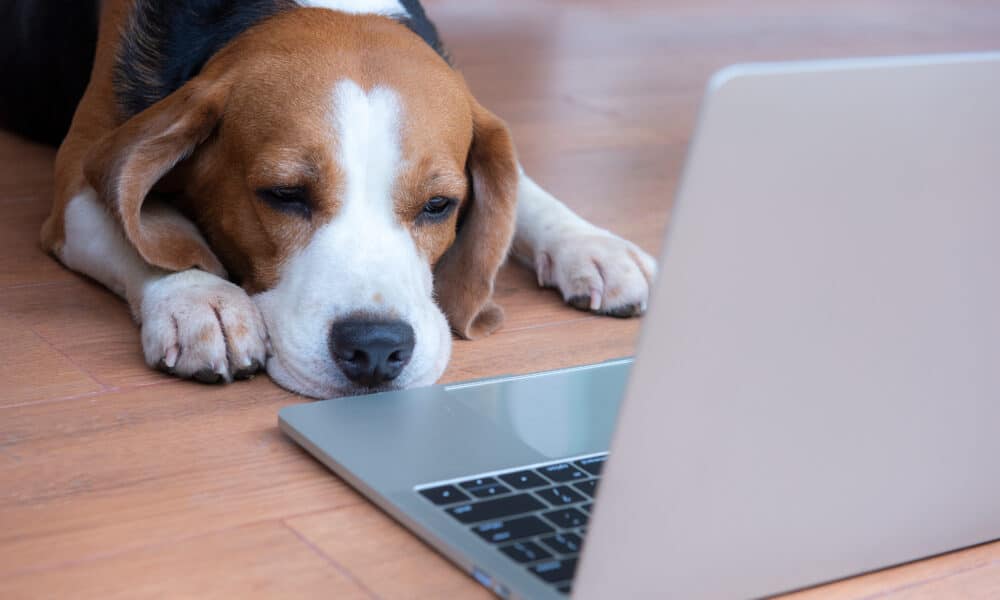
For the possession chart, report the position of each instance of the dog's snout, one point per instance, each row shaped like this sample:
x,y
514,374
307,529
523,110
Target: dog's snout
x,y
371,353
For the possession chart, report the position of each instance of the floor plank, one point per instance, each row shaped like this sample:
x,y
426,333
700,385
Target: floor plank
x,y
149,465
23,356
22,261
80,318
229,564
902,579
544,347
387,560
981,583
34,170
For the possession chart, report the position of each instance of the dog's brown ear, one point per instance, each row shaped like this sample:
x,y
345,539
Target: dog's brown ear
x,y
125,165
464,277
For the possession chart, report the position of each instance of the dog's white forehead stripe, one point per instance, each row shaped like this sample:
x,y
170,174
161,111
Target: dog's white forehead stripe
x,y
389,8
367,130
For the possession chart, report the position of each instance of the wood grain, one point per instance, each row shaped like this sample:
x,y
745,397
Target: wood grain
x,y
81,319
953,575
384,558
23,356
148,465
118,481
265,560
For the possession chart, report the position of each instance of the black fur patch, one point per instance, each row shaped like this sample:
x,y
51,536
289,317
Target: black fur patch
x,y
46,52
167,42
419,24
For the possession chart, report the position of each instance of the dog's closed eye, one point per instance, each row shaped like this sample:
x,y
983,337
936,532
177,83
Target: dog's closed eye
x,y
437,209
294,200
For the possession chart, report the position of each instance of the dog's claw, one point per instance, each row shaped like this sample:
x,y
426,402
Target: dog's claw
x,y
208,376
579,302
170,360
625,312
247,372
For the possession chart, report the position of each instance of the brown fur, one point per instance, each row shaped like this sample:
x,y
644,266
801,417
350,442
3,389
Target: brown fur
x,y
125,165
259,116
465,275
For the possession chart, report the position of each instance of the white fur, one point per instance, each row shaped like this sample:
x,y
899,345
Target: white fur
x,y
363,260
583,261
389,8
96,247
183,315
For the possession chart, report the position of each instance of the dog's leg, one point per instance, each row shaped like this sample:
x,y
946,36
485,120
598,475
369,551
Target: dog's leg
x,y
194,324
594,269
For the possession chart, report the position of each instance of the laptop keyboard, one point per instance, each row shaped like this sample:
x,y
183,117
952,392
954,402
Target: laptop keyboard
x,y
537,516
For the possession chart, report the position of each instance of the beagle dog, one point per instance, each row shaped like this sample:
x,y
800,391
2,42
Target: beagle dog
x,y
306,186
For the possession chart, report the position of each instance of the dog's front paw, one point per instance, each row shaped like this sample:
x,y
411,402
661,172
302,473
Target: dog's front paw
x,y
598,271
197,325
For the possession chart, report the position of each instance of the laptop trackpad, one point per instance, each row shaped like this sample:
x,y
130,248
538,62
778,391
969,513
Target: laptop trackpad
x,y
556,414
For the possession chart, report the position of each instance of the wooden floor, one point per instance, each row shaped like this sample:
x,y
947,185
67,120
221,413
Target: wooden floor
x,y
118,481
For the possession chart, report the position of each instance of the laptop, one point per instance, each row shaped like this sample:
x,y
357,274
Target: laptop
x,y
816,392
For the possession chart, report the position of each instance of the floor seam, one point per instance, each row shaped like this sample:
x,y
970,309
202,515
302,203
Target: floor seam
x,y
104,385
548,324
108,389
60,399
331,561
922,582
21,286
127,550
166,542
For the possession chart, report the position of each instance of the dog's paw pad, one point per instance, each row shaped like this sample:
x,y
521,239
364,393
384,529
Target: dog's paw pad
x,y
199,326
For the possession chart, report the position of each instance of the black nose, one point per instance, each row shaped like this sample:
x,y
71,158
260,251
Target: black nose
x,y
371,353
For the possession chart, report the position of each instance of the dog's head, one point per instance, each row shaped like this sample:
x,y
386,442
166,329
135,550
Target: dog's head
x,y
342,172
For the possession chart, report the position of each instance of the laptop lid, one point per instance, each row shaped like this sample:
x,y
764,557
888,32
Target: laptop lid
x,y
817,389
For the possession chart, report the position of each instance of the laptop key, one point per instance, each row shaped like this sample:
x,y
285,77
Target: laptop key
x,y
564,543
488,491
562,472
560,496
526,552
499,532
566,518
445,494
592,465
505,506
588,487
524,480
475,483
555,571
